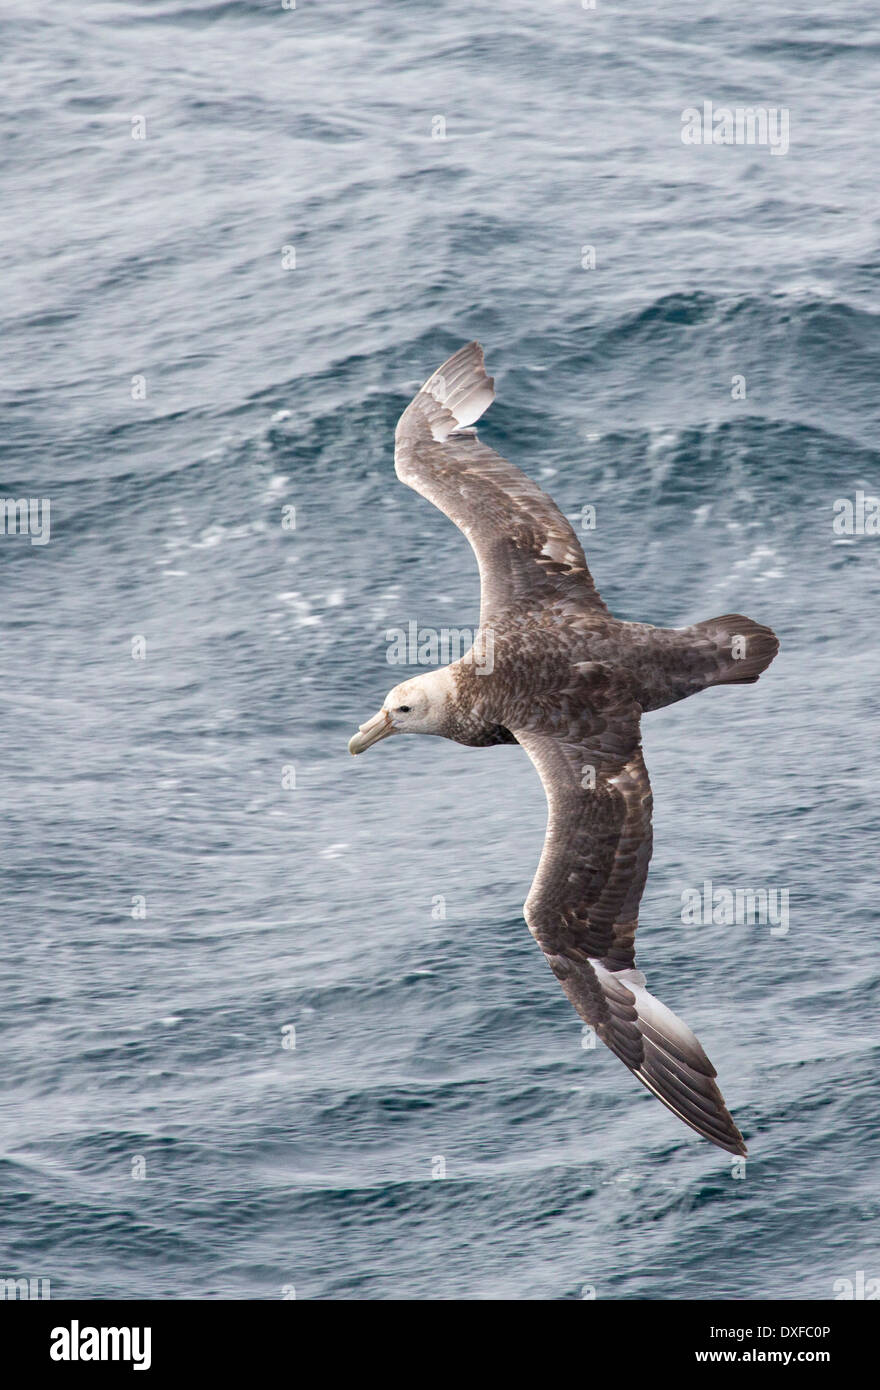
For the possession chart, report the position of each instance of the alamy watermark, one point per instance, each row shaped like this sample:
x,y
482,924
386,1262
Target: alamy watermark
x,y
858,1289
737,125
856,518
431,646
76,1343
26,516
24,1288
741,907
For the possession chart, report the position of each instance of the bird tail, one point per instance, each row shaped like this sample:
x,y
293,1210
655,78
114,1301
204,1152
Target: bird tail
x,y
456,395
738,649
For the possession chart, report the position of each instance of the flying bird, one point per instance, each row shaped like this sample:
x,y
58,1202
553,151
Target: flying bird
x,y
570,683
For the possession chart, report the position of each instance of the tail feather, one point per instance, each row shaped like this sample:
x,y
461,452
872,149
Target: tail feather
x,y
740,648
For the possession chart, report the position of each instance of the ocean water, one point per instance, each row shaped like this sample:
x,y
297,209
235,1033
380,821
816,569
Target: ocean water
x,y
225,318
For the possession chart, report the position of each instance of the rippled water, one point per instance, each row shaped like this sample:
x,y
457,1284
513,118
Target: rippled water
x,y
271,906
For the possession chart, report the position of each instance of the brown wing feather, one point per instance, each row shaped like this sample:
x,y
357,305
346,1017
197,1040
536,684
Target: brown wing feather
x,y
525,548
583,905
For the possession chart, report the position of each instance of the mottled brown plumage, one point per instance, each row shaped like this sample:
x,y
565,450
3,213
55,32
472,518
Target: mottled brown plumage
x,y
553,670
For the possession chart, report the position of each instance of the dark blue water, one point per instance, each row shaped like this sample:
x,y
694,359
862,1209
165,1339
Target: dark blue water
x,y
153,1043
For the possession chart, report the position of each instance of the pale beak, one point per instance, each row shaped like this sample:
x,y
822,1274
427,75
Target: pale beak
x,y
378,727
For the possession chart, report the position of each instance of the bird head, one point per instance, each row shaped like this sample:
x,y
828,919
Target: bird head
x,y
417,706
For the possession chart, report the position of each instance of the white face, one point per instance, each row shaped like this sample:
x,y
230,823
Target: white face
x,y
416,706
409,706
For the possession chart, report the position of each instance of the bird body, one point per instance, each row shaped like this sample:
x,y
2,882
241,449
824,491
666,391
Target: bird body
x,y
569,682
658,665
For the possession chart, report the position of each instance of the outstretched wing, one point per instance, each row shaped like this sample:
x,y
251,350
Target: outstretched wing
x,y
583,905
524,546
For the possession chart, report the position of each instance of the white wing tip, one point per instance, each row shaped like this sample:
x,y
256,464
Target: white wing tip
x,y
462,388
673,1066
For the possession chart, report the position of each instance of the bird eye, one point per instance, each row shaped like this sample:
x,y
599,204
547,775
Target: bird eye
x,y
403,709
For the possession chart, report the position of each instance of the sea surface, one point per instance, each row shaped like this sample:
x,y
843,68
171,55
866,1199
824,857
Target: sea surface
x,y
272,1023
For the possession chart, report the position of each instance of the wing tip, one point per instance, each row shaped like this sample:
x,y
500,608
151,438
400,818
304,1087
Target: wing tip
x,y
728,1138
459,392
672,1065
